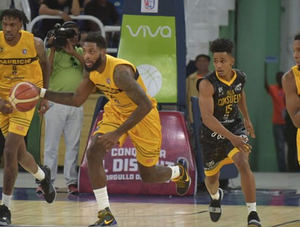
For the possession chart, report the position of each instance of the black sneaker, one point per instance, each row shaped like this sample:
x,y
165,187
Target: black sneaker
x,y
253,219
105,218
214,208
5,216
46,185
183,182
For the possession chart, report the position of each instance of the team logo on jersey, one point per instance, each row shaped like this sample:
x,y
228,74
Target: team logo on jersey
x,y
220,90
1,49
108,81
24,51
238,87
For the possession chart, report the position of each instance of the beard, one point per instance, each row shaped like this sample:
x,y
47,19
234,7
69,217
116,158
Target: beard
x,y
95,65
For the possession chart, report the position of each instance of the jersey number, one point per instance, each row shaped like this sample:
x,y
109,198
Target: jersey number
x,y
228,109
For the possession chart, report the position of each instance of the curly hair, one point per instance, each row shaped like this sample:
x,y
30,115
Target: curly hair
x,y
221,45
15,13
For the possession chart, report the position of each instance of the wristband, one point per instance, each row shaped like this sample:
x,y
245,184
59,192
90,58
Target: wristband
x,y
43,92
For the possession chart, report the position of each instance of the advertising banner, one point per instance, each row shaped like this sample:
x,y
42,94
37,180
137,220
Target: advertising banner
x,y
149,42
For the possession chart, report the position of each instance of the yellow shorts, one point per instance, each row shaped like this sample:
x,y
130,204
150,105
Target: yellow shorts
x,y
222,163
16,122
145,136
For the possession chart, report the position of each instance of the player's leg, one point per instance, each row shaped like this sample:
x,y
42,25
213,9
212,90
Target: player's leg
x,y
146,137
248,186
72,133
216,196
95,155
10,172
177,173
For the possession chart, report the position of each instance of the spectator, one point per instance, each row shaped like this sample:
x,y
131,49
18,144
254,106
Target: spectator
x,y
277,94
60,8
104,11
66,67
201,64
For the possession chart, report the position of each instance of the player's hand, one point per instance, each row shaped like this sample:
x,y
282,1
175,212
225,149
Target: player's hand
x,y
109,139
44,106
5,107
249,127
241,143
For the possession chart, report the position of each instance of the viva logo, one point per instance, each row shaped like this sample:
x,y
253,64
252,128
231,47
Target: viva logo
x,y
145,31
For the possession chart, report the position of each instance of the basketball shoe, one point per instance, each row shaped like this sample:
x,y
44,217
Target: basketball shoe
x,y
105,218
183,182
253,219
214,208
5,216
46,185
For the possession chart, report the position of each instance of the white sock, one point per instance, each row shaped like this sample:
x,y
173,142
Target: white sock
x,y
6,199
175,171
215,196
101,197
40,175
251,207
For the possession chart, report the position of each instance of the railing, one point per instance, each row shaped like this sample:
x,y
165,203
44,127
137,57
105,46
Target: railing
x,y
103,29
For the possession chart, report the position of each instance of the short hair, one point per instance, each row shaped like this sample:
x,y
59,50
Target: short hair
x,y
15,13
202,56
297,37
96,37
221,45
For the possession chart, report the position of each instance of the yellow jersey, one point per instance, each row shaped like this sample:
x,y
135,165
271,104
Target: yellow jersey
x,y
118,99
18,63
296,73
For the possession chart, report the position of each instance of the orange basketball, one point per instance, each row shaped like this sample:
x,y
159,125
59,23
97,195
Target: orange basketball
x,y
24,96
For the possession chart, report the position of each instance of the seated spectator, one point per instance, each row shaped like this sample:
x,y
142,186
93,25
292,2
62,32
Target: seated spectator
x,y
104,11
62,8
201,64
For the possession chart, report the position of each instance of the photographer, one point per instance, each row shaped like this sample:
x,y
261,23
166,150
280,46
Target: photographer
x,y
66,63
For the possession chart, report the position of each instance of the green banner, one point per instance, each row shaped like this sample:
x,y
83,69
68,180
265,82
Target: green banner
x,y
149,42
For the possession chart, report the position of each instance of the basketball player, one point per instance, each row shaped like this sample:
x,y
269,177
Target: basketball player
x,y
22,58
223,135
130,111
291,87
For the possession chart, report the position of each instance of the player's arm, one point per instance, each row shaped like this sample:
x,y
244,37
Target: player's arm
x,y
292,99
244,110
124,79
77,98
206,104
39,46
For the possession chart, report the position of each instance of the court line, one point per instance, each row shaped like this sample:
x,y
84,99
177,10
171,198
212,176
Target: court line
x,y
286,223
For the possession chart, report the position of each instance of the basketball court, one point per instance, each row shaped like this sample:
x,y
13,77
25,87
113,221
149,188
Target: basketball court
x,y
277,207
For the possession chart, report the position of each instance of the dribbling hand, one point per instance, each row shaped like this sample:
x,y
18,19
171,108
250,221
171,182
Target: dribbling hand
x,y
241,143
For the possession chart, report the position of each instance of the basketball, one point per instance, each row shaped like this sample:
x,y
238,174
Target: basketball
x,y
24,96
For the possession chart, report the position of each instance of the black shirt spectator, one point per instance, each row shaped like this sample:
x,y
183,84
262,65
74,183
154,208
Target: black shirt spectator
x,y
57,8
104,11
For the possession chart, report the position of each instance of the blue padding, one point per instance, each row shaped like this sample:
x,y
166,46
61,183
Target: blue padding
x,y
227,171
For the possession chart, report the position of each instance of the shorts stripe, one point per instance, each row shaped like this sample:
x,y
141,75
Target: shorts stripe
x,y
223,162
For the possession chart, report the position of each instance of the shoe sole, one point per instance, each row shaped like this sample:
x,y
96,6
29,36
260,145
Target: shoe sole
x,y
253,225
3,223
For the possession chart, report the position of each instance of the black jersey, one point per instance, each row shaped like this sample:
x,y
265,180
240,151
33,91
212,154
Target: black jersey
x,y
227,95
